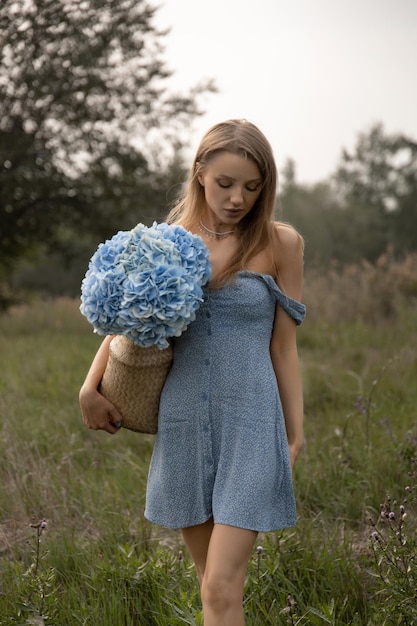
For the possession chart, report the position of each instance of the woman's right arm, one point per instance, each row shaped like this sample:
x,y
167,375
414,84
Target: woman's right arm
x,y
98,413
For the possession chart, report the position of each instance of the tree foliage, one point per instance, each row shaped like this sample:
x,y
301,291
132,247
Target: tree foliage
x,y
380,176
368,205
380,171
88,126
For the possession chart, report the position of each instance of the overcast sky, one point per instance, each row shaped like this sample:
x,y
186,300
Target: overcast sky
x,y
312,74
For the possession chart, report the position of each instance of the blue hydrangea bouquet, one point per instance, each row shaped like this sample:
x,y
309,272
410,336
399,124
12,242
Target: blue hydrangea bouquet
x,y
144,286
146,283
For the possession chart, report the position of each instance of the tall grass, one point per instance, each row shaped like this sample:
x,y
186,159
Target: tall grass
x,y
75,547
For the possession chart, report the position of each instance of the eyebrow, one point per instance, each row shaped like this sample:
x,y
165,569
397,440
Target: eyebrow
x,y
252,180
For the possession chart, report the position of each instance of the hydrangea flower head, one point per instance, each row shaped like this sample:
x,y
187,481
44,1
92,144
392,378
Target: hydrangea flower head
x,y
146,283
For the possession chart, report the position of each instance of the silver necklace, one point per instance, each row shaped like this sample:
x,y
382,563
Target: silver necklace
x,y
213,234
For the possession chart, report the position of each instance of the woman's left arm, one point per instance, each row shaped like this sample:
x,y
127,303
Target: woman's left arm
x,y
284,352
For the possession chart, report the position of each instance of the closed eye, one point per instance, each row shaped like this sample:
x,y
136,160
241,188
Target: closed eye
x,y
253,187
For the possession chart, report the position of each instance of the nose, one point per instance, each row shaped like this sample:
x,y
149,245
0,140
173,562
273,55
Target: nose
x,y
236,197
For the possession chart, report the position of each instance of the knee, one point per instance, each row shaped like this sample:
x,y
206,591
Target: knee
x,y
219,594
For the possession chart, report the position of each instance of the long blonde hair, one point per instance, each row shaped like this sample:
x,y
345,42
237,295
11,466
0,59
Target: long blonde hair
x,y
255,230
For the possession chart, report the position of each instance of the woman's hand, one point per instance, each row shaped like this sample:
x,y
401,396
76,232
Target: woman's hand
x,y
98,413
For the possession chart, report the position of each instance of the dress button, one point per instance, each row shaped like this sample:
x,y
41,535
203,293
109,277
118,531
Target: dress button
x,y
209,331
204,396
207,362
208,314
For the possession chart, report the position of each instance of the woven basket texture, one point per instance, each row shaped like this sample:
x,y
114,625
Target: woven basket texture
x,y
133,381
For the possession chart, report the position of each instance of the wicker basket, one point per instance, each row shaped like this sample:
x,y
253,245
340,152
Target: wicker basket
x,y
133,382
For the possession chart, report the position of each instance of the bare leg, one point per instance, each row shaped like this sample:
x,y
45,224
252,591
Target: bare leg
x,y
197,539
221,554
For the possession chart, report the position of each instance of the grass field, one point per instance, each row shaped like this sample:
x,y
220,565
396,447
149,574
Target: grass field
x,y
74,545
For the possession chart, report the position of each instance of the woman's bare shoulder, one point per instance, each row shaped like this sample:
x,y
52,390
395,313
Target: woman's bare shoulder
x,y
288,239
289,261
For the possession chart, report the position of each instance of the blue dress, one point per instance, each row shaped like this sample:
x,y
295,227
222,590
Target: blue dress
x,y
221,448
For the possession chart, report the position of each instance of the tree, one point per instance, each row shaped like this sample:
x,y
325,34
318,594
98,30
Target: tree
x,y
87,123
314,211
333,231
380,176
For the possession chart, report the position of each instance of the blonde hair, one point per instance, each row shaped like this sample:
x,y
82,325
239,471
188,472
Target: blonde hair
x,y
255,230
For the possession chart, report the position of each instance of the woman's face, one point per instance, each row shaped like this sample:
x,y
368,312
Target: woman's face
x,y
232,185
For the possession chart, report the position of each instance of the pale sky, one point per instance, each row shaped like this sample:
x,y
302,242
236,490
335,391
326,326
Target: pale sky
x,y
312,74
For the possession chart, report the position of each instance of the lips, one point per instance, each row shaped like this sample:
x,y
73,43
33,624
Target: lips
x,y
233,212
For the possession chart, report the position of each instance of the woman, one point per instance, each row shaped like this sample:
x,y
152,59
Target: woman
x,y
231,411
